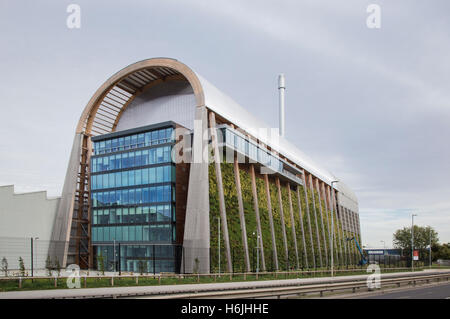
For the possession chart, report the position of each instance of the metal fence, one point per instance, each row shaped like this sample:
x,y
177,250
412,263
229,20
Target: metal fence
x,y
166,258
32,255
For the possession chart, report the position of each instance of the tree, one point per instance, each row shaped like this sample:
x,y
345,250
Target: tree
x,y
402,238
442,252
49,265
5,266
142,266
21,267
101,263
57,266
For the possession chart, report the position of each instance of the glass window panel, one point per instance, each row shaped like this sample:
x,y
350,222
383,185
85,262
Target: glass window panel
x,y
138,233
125,233
131,233
138,177
152,175
118,179
159,174
138,196
119,233
111,180
131,196
124,160
125,197
137,160
141,139
131,178
119,215
160,193
145,176
148,137
145,157
152,194
127,142
159,155
154,137
125,216
145,195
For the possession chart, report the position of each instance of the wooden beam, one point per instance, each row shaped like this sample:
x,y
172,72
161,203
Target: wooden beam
x,y
309,219
283,225
294,233
325,246
272,229
223,213
315,218
258,220
299,203
237,179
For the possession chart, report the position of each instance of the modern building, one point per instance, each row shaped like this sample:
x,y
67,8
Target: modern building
x,y
168,174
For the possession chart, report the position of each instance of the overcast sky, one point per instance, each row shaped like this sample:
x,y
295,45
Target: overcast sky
x,y
370,105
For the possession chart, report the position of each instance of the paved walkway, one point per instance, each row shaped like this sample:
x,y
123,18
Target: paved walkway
x,y
109,292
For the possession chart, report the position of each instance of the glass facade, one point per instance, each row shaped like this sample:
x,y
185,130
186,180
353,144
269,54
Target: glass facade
x,y
133,200
256,153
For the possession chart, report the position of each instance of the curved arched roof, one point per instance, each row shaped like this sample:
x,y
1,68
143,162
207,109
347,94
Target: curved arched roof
x,y
105,108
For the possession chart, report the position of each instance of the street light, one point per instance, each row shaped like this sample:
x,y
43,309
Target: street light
x,y
218,240
429,228
332,228
384,244
257,252
412,241
32,255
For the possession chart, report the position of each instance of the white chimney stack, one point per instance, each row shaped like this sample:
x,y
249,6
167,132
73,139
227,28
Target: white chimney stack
x,y
281,89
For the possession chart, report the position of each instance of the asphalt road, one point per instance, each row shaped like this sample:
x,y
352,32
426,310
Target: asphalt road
x,y
434,292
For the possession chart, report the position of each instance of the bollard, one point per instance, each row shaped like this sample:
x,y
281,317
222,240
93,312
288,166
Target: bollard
x,y
112,281
159,280
137,280
56,282
245,276
85,281
198,277
20,282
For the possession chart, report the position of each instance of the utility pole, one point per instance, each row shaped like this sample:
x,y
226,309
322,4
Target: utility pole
x,y
430,245
412,241
332,228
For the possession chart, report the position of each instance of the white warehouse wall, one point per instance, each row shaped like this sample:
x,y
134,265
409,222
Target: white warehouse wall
x,y
23,216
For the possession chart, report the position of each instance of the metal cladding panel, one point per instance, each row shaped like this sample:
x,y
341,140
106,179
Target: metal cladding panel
x,y
229,109
174,102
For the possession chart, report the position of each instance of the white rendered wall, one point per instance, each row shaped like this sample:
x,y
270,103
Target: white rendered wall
x,y
23,216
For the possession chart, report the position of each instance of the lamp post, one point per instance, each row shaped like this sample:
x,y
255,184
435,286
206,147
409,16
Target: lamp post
x,y
430,244
218,240
114,252
332,228
257,252
32,254
412,241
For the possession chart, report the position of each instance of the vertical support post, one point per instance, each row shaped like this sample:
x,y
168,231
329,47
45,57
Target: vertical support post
x,y
241,213
154,260
322,223
272,229
223,213
309,219
338,217
319,248
32,264
294,233
120,266
283,225
331,227
258,220
299,203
